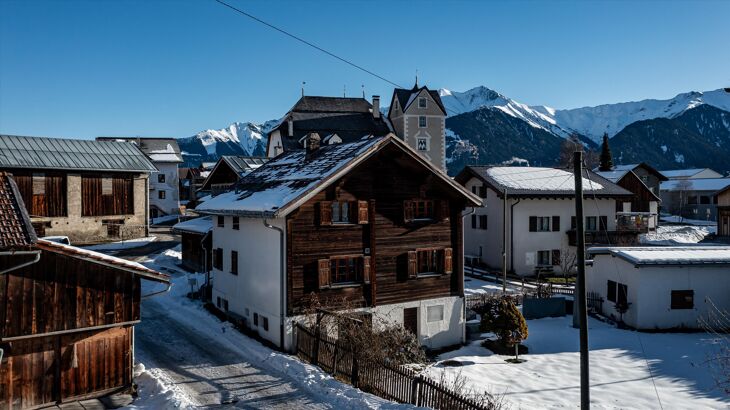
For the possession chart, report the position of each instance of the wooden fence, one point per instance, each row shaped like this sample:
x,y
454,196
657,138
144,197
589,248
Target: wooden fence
x,y
389,382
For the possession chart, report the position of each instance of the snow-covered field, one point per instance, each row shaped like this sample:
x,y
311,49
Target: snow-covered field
x,y
622,364
673,235
277,371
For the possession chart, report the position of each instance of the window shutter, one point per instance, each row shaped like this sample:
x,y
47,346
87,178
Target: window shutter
x,y
366,269
324,273
448,260
483,191
412,264
556,223
556,257
603,223
443,210
533,224
407,211
572,222
325,213
362,212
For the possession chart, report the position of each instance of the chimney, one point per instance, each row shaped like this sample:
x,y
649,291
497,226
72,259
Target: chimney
x,y
376,106
312,142
290,126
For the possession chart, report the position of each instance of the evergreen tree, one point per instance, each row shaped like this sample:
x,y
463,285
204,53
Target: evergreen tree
x,y
606,158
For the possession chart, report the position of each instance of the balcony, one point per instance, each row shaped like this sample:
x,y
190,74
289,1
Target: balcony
x,y
606,238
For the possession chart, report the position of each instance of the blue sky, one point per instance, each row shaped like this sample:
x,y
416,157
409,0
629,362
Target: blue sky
x,y
173,68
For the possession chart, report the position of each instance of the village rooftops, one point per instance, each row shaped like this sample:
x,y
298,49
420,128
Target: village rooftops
x,y
689,173
157,149
15,226
198,225
701,184
71,154
673,255
288,180
533,182
619,171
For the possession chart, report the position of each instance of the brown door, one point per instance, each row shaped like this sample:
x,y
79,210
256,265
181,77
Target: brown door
x,y
725,226
410,320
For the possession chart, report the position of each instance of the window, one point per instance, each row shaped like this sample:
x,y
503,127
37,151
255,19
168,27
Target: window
x,y
482,221
543,223
340,212
435,313
161,194
235,223
39,183
422,144
234,262
225,305
255,319
591,223
543,257
611,291
266,323
429,261
683,299
422,102
218,259
617,292
161,178
422,122
692,200
474,221
345,269
705,200
221,221
107,187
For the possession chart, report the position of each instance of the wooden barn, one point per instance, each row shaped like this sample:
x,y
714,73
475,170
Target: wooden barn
x,y
196,241
68,315
227,171
90,191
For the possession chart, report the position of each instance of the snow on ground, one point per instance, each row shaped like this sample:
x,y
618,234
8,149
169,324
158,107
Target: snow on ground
x,y
672,235
473,286
161,393
165,218
118,246
620,373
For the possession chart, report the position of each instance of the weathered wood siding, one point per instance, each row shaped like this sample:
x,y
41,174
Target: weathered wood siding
x,y
96,201
50,369
63,293
385,182
642,195
51,201
193,254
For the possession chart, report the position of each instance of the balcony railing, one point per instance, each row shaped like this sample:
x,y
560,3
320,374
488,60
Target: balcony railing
x,y
606,238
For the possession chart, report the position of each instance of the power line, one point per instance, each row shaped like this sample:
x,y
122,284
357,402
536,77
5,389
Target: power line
x,y
316,47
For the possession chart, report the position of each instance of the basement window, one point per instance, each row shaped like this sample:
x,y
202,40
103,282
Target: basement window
x,y
435,313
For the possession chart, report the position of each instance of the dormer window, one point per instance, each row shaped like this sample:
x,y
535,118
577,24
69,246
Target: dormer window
x,y
422,102
422,122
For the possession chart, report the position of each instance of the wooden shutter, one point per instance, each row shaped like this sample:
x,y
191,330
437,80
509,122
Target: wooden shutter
x,y
556,223
366,269
412,264
556,257
443,209
448,260
533,224
603,223
573,222
325,213
362,212
473,221
407,211
324,273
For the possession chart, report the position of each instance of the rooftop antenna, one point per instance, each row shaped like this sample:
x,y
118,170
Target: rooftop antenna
x,y
362,86
303,84
416,86
344,90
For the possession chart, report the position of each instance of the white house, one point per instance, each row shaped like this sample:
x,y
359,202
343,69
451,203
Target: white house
x,y
537,217
665,287
370,225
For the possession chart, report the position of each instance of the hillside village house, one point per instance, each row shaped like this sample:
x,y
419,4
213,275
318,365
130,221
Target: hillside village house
x,y
694,173
644,182
370,221
664,287
538,216
416,115
722,198
68,314
693,198
90,191
227,171
164,188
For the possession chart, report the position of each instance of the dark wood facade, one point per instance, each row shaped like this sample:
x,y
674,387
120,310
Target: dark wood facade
x,y
381,232
197,253
67,330
105,195
44,193
642,198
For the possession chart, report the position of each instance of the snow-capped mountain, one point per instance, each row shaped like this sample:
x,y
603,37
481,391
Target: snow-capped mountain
x,y
239,138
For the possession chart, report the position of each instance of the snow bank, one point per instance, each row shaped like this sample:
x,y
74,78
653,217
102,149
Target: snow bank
x,y
155,392
672,235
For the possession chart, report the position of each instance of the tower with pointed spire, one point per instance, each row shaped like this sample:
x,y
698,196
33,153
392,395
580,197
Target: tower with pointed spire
x,y
418,117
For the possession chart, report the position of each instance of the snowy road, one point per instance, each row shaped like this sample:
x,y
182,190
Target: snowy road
x,y
207,371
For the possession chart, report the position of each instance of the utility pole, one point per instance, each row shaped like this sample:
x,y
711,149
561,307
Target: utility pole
x,y
504,241
580,295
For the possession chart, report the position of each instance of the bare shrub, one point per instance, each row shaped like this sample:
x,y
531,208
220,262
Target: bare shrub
x,y
483,398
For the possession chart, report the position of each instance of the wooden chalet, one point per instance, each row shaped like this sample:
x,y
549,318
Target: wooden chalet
x,y
227,171
90,191
642,211
371,222
67,314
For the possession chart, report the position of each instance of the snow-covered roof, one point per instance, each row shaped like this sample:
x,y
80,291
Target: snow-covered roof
x,y
687,173
537,181
157,149
197,225
701,184
615,175
671,255
102,258
283,183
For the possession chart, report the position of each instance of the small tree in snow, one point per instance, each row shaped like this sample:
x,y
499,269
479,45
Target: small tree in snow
x,y
568,262
606,158
501,317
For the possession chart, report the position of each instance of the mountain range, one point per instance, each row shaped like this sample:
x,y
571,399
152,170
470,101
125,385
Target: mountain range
x,y
691,130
